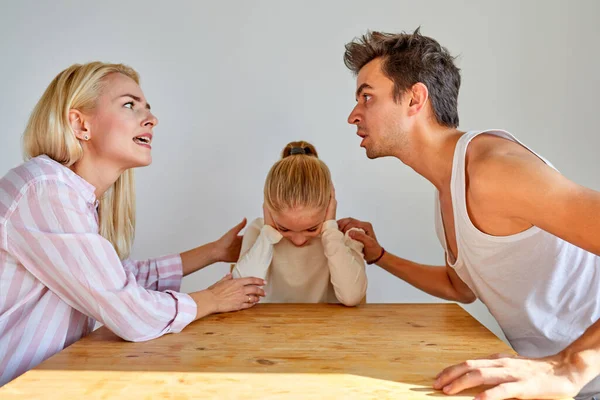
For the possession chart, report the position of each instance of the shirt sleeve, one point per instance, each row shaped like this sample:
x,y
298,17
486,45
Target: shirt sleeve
x,y
257,250
161,274
54,234
346,264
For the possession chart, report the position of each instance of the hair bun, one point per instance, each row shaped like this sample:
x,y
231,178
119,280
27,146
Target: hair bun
x,y
299,148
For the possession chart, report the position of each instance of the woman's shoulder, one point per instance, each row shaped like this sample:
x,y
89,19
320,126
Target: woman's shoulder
x,y
17,180
38,174
37,169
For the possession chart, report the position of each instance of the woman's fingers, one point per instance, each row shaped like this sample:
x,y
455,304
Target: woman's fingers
x,y
250,281
254,290
251,298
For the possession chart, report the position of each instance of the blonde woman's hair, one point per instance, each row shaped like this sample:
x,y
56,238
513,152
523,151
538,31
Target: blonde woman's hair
x,y
49,132
299,179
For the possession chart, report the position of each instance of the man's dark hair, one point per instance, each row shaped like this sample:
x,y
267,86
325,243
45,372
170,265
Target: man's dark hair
x,y
408,59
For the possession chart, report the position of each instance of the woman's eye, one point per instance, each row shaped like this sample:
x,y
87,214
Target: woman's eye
x,y
313,229
129,104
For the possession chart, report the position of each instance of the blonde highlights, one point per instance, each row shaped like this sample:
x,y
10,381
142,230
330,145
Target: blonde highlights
x,y
49,132
299,179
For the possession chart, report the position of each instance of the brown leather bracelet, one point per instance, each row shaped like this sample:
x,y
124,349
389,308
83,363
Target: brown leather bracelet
x,y
378,258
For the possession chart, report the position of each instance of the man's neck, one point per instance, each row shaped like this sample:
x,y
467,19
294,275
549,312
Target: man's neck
x,y
430,153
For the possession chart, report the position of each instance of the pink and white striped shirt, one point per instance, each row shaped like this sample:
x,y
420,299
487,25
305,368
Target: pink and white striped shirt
x,y
58,275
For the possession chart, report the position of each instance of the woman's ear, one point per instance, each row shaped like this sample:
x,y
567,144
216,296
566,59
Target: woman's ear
x,y
79,125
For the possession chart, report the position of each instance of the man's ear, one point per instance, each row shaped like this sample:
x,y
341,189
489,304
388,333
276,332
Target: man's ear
x,y
417,95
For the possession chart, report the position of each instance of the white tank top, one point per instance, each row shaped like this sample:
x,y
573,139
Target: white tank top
x,y
543,291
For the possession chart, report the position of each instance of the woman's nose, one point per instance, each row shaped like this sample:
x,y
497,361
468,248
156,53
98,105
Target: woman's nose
x,y
150,120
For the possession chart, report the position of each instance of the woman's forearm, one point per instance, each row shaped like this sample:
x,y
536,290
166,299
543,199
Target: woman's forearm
x,y
198,258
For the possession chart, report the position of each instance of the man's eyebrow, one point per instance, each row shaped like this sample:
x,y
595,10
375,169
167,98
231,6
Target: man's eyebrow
x,y
361,88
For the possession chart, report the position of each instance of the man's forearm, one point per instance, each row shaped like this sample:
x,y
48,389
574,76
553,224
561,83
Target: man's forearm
x,y
433,280
583,355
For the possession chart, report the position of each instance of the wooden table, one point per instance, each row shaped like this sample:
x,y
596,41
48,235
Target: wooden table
x,y
272,351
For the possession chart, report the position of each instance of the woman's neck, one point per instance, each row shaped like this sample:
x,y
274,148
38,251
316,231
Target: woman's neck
x,y
98,174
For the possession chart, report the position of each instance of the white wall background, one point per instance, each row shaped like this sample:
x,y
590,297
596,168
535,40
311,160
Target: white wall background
x,y
233,81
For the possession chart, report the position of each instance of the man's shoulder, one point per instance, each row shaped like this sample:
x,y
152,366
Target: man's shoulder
x,y
494,164
488,153
488,148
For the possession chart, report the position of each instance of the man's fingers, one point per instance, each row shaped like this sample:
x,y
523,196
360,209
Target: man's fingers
x,y
347,223
478,377
450,374
498,356
360,236
502,392
342,224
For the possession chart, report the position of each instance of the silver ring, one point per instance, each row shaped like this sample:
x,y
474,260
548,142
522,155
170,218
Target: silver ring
x,y
249,299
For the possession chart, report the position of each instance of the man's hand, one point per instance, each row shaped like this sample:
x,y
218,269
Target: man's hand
x,y
554,377
371,249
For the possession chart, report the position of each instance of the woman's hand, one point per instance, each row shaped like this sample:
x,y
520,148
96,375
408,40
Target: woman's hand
x,y
228,246
228,294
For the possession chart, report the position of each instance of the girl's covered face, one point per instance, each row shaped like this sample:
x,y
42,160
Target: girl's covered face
x,y
299,225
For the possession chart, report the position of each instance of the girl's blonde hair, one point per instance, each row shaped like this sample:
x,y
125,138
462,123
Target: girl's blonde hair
x,y
299,179
49,132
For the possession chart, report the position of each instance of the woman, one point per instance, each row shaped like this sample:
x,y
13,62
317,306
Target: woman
x,y
67,225
297,248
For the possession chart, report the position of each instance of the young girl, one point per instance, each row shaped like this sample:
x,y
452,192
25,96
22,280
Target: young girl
x,y
297,248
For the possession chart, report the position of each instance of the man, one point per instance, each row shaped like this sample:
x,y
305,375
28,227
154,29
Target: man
x,y
517,234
